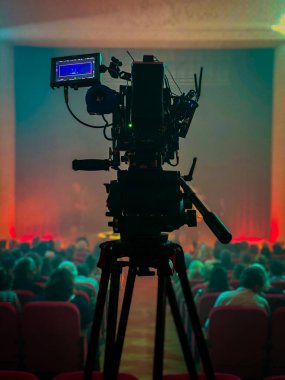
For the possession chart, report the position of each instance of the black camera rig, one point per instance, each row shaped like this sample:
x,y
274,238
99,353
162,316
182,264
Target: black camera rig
x,y
147,122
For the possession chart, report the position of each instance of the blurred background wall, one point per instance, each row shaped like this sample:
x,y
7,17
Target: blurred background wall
x,y
234,133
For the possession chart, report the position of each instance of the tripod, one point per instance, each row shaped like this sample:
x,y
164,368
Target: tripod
x,y
141,258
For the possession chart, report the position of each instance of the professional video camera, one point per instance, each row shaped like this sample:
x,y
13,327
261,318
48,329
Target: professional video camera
x,y
144,201
147,122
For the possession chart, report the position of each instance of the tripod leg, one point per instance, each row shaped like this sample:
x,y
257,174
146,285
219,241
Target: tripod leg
x,y
188,357
96,325
159,328
201,343
109,362
125,314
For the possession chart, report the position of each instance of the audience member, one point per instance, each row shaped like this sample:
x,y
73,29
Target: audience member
x,y
60,287
226,259
205,253
24,275
246,259
277,249
38,265
252,283
277,269
84,276
265,251
237,271
196,270
6,294
46,267
218,282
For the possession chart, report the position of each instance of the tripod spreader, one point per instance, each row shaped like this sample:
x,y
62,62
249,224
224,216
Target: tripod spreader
x,y
210,218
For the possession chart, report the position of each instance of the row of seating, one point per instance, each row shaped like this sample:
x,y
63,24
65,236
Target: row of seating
x,y
199,283
245,341
18,375
46,337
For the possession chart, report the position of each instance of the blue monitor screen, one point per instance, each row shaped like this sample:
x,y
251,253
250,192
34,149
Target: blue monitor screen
x,y
82,68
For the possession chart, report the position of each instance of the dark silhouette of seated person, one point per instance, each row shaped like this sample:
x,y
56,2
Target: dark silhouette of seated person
x,y
218,282
6,294
60,287
252,284
277,270
226,259
24,275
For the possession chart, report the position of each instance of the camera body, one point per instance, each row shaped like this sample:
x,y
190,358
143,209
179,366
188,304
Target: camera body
x,y
147,121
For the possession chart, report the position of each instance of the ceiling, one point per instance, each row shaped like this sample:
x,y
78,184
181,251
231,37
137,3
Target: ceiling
x,y
142,23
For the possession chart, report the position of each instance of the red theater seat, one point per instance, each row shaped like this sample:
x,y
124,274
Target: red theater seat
x,y
277,351
96,376
201,376
83,294
9,332
24,296
205,304
16,375
275,299
278,284
51,333
237,338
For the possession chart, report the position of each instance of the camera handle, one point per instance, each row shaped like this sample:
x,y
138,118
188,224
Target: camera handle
x,y
211,219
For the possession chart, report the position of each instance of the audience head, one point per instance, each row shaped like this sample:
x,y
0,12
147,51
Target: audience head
x,y
70,266
226,259
262,260
60,285
277,249
253,278
253,249
218,281
217,250
83,270
46,267
8,263
82,243
246,259
276,267
24,248
237,271
265,251
196,269
205,252
37,260
25,268
6,280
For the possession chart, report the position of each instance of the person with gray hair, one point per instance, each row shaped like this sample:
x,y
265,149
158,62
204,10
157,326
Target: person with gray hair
x,y
252,282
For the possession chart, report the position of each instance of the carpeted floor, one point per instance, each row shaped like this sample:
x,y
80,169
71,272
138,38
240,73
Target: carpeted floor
x,y
137,356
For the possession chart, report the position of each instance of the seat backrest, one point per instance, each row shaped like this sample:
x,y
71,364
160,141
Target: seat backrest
x,y
237,337
87,287
83,294
201,376
277,362
205,304
280,284
24,296
51,333
95,376
17,375
196,287
9,336
275,300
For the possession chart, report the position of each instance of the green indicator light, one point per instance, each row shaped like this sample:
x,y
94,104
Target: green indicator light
x,y
130,125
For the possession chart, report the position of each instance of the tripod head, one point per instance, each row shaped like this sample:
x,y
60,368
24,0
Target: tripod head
x,y
148,120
